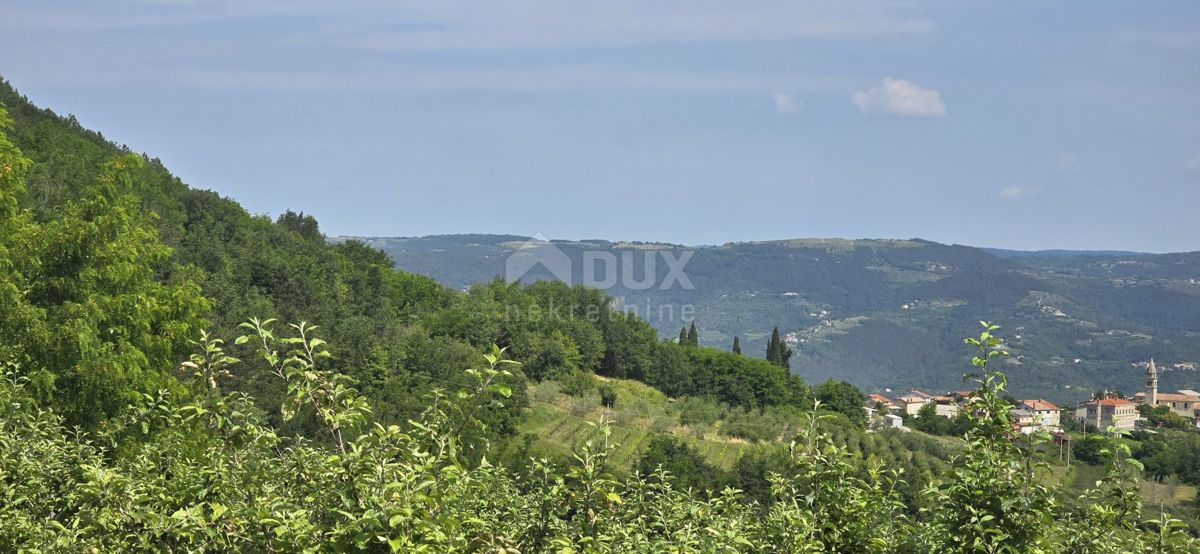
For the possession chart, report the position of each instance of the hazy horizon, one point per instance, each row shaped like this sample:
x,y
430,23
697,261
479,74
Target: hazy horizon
x,y
779,239
1047,127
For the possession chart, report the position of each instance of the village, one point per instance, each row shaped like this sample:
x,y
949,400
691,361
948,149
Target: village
x,y
1107,409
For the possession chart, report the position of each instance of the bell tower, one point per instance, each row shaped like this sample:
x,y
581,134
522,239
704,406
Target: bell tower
x,y
1151,384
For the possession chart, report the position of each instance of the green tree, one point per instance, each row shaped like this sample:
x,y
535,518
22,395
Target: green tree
x,y
550,356
693,337
843,398
629,346
92,313
929,421
672,371
778,352
690,471
579,383
737,348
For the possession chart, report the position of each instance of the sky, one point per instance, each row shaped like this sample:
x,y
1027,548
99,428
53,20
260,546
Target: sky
x,y
1025,125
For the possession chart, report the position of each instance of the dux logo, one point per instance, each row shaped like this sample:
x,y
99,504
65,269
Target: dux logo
x,y
534,252
601,269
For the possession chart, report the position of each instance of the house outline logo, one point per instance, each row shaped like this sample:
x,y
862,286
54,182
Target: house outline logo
x,y
535,251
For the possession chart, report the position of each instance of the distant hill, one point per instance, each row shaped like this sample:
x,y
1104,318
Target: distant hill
x,y
1058,253
891,313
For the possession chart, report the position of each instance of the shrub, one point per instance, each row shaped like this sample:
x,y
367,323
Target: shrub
x,y
608,395
579,383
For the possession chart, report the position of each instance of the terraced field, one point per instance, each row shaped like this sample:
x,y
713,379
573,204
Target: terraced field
x,y
563,423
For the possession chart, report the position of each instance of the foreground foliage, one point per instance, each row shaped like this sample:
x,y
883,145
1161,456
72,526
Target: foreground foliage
x,y
209,474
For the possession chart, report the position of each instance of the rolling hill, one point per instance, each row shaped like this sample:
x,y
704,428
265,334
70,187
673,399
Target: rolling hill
x,y
891,313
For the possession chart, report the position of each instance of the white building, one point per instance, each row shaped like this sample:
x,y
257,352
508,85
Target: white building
x,y
1044,415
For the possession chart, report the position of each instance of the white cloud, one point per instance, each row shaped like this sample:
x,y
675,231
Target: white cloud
x,y
899,97
1017,192
787,104
1066,163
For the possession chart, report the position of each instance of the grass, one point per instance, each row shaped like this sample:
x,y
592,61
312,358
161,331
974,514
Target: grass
x,y
1170,494
563,423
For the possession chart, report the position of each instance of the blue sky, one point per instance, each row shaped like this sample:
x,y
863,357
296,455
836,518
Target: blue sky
x,y
1013,124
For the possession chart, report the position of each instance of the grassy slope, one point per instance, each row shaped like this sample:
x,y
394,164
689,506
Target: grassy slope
x,y
1176,498
561,423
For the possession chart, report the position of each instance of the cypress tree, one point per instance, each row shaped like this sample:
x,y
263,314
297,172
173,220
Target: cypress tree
x,y
778,351
737,348
683,339
693,337
774,352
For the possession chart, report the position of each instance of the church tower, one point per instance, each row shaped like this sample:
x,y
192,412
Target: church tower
x,y
1152,385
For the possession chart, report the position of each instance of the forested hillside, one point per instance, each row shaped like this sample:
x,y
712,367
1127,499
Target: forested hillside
x,y
888,313
399,335
180,375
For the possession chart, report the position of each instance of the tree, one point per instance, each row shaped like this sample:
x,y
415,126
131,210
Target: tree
x,y
305,225
672,373
550,356
689,469
578,383
629,346
778,352
737,348
693,337
1162,416
683,336
1090,449
90,311
843,398
928,421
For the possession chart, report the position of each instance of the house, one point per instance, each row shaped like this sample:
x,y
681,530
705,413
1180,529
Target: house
x,y
946,410
1023,420
1107,412
876,401
910,403
1045,415
893,420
